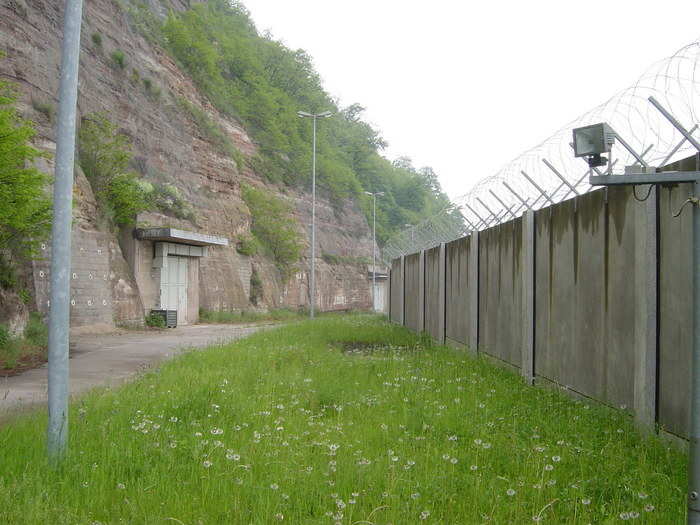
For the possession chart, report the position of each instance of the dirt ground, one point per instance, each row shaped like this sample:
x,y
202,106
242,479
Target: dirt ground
x,y
109,359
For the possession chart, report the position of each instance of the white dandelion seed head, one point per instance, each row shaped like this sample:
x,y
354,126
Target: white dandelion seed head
x,y
556,459
549,467
649,508
510,492
274,486
474,467
453,461
207,463
424,515
586,501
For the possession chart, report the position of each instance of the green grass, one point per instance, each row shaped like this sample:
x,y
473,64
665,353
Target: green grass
x,y
243,316
343,419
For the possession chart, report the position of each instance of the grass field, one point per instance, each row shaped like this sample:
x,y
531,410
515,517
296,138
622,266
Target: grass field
x,y
340,420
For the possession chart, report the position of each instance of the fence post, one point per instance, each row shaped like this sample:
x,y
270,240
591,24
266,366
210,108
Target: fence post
x,y
402,317
474,292
441,294
528,297
421,291
646,311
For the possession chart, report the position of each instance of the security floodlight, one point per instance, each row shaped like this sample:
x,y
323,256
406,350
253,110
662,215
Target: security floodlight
x,y
592,141
325,114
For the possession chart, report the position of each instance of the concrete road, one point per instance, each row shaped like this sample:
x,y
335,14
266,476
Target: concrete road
x,y
109,359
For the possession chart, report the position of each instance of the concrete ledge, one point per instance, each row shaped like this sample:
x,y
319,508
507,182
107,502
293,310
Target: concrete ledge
x,y
179,236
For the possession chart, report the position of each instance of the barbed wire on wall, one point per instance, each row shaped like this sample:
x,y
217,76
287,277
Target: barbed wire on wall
x,y
549,173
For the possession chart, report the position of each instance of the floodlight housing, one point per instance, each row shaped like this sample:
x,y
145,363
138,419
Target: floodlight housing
x,y
592,141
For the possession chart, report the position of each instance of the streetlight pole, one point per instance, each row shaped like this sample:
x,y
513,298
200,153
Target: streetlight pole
x,y
312,287
374,243
59,306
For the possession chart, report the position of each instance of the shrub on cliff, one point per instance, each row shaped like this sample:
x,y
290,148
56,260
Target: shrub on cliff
x,y
105,155
273,226
25,210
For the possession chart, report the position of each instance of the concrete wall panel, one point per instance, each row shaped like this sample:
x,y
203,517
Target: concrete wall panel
x,y
584,307
500,291
675,309
396,284
458,309
432,292
412,291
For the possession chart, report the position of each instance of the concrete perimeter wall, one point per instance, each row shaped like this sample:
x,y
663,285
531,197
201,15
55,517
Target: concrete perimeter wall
x,y
457,293
412,293
500,292
396,291
592,294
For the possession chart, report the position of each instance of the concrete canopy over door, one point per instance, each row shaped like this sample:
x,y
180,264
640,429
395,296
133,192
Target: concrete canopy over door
x,y
173,287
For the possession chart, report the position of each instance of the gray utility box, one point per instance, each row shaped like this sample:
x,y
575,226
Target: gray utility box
x,y
170,317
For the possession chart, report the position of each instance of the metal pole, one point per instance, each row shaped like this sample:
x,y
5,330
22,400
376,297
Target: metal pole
x,y
313,226
694,466
675,123
561,177
544,194
59,312
374,249
678,146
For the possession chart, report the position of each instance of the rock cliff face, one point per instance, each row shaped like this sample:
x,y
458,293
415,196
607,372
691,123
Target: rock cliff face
x,y
168,147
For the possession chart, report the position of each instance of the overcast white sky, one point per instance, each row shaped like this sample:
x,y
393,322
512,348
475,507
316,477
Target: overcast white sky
x,y
466,86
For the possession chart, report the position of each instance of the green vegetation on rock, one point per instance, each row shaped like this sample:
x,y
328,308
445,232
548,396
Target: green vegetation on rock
x,y
26,351
256,79
25,209
273,227
105,156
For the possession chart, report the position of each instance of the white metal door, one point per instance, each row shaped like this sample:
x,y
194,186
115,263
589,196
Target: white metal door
x,y
173,288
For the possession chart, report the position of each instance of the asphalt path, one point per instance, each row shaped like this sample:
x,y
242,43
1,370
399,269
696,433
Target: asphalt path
x,y
110,359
